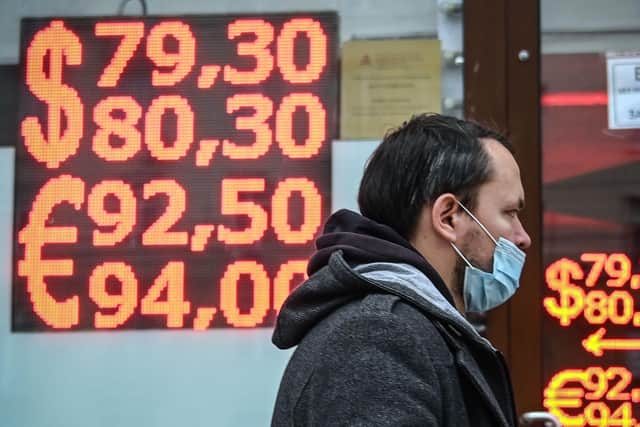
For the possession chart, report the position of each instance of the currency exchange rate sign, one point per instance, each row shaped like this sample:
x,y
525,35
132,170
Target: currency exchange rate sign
x,y
171,172
595,294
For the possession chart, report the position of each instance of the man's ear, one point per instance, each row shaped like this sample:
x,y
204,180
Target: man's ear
x,y
445,215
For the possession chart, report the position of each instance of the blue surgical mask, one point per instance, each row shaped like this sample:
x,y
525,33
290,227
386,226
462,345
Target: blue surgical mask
x,y
483,290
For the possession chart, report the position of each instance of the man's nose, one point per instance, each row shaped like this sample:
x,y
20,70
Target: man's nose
x,y
523,241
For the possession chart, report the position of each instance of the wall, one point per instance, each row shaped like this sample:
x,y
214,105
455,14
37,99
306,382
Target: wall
x,y
589,26
358,18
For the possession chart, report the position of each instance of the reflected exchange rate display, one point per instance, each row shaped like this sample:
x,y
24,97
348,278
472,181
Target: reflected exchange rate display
x,y
171,172
591,250
596,395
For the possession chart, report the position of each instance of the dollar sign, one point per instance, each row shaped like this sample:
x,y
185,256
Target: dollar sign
x,y
35,235
571,300
59,42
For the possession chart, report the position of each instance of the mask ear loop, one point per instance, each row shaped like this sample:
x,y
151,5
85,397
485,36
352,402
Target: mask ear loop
x,y
455,248
478,222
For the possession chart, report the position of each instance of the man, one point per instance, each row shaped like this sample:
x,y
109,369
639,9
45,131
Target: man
x,y
380,327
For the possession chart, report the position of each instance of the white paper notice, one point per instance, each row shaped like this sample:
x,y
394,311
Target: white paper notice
x,y
623,86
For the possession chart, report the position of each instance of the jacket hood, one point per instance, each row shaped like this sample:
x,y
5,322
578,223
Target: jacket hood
x,y
363,241
358,241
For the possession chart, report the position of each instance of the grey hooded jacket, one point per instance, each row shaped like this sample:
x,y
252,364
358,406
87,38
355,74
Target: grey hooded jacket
x,y
378,344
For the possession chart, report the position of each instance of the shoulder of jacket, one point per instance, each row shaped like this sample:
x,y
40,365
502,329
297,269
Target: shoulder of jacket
x,y
396,318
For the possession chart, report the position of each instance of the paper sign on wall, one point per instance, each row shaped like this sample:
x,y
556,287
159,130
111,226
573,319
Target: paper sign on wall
x,y
384,82
623,86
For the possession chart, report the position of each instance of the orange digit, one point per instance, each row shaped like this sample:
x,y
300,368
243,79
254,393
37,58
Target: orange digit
x,y
122,221
174,307
257,48
617,317
125,302
618,267
231,205
132,33
596,307
623,416
597,414
598,260
58,43
282,282
158,233
229,294
617,391
257,123
280,210
317,50
596,382
57,314
317,123
184,127
182,61
122,127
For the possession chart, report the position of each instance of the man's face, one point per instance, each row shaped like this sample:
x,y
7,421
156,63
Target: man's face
x,y
498,203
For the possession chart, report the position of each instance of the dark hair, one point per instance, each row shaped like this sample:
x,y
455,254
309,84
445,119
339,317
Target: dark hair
x,y
427,156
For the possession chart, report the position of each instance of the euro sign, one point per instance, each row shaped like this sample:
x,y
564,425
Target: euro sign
x,y
565,392
570,303
59,315
57,43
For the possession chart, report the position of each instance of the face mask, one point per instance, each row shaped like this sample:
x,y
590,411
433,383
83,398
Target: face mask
x,y
484,291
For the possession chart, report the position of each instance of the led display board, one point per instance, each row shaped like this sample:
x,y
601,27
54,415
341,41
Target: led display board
x,y
171,172
601,394
591,343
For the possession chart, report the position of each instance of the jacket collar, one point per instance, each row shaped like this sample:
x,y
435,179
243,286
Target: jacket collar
x,y
417,289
